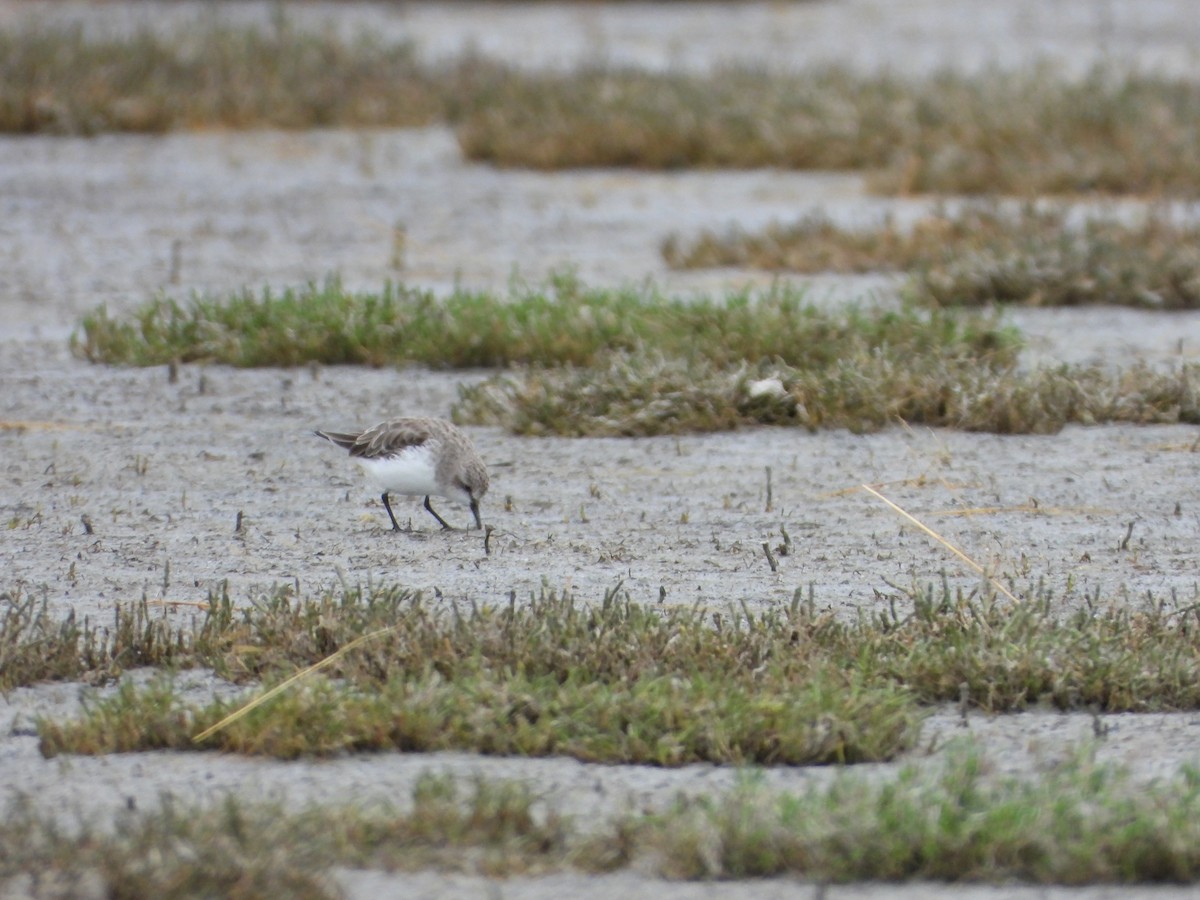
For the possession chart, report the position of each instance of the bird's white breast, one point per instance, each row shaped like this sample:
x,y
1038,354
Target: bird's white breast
x,y
410,471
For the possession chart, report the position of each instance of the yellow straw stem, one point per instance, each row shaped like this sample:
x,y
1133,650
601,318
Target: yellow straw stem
x,y
945,543
287,683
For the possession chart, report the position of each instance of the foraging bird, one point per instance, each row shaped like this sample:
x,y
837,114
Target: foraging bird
x,y
418,456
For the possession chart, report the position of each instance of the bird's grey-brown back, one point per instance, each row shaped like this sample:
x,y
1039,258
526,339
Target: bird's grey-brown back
x,y
386,451
456,456
390,437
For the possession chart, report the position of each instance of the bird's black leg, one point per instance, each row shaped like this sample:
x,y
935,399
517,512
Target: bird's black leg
x,y
445,527
388,507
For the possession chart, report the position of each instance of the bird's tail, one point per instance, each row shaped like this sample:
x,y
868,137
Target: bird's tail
x,y
342,439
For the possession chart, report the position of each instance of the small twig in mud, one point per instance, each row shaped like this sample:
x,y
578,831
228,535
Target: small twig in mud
x,y
487,539
399,246
87,524
1128,535
239,523
194,604
176,261
770,557
964,704
785,549
769,503
1031,507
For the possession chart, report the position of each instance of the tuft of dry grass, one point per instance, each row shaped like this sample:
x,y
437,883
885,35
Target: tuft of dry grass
x,y
733,118
813,244
637,395
61,81
982,255
1039,260
1027,132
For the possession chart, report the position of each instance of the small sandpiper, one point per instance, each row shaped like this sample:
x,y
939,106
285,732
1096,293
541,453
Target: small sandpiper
x,y
429,457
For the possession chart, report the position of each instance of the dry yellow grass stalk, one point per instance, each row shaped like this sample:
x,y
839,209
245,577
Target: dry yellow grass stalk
x,y
944,542
284,685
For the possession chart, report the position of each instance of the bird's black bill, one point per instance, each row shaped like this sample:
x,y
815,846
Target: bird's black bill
x,y
475,512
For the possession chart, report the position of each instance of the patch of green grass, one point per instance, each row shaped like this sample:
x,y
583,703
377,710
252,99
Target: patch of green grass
x,y
565,323
863,390
982,255
621,682
1080,823
249,850
666,720
615,683
1119,657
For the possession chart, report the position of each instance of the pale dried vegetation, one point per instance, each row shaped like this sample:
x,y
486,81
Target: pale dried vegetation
x,y
997,132
981,255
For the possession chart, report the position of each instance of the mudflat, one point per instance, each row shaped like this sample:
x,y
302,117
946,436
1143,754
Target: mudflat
x,y
162,470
